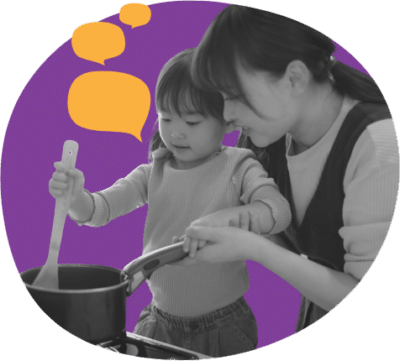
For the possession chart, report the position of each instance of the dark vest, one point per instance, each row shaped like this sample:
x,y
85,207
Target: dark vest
x,y
318,236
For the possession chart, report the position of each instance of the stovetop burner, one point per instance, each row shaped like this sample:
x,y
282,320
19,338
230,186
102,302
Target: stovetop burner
x,y
135,345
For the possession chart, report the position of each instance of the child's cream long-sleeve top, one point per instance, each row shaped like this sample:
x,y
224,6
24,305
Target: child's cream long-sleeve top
x,y
175,199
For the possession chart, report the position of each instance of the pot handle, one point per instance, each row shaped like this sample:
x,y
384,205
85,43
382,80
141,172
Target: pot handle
x,y
141,268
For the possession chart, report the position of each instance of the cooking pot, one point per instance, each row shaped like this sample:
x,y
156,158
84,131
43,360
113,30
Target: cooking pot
x,y
91,299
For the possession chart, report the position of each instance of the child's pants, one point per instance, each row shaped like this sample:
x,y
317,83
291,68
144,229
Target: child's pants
x,y
227,331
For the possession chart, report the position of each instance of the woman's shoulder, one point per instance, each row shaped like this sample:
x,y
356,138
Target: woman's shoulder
x,y
380,141
374,154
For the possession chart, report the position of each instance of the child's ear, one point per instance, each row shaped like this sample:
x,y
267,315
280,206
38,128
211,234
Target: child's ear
x,y
299,76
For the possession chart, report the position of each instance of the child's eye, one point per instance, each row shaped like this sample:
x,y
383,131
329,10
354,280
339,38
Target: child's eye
x,y
192,124
164,119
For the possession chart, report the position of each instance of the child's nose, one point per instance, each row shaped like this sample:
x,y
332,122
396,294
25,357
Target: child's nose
x,y
177,134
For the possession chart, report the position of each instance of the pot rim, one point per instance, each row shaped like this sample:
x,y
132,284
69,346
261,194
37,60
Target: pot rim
x,y
78,291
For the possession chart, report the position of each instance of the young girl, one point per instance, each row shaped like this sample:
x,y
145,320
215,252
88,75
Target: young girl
x,y
191,178
323,131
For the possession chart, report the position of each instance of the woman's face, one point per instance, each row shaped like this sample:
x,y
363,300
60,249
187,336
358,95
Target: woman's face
x,y
274,107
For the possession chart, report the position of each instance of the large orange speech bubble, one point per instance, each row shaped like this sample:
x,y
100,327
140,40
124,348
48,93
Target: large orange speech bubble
x,y
98,41
109,101
135,15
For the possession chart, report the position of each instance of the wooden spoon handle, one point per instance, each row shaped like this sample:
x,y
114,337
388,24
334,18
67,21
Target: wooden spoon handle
x,y
48,275
69,154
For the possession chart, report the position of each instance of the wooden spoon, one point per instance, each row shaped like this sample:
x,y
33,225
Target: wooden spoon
x,y
48,275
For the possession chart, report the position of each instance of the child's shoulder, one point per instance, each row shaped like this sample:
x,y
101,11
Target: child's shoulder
x,y
239,153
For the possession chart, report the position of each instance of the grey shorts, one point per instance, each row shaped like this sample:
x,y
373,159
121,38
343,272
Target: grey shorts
x,y
227,331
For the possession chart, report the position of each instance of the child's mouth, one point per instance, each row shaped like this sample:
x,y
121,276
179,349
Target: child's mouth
x,y
180,147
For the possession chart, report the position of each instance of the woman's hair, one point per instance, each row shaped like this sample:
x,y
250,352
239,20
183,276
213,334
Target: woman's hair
x,y
176,92
263,41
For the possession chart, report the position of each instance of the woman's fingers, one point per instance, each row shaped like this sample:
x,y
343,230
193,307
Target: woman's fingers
x,y
190,245
202,243
193,247
186,244
255,226
244,221
234,223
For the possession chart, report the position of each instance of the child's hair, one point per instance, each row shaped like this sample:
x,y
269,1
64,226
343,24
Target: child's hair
x,y
264,41
176,92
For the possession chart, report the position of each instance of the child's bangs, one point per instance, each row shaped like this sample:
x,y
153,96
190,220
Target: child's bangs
x,y
191,100
179,100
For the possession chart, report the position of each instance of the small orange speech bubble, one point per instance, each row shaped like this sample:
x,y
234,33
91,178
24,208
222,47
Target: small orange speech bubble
x,y
98,41
109,101
135,15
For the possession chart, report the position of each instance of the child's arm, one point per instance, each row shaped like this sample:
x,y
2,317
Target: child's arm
x,y
260,196
99,208
225,217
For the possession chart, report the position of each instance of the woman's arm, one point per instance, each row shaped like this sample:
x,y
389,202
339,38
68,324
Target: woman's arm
x,y
323,286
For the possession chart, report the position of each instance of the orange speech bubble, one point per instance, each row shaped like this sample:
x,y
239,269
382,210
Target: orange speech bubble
x,y
135,15
109,101
98,41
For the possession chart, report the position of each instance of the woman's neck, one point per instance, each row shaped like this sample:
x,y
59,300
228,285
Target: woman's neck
x,y
320,108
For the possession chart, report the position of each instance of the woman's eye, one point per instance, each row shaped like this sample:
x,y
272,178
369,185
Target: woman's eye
x,y
164,119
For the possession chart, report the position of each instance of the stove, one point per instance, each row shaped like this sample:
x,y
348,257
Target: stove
x,y
140,346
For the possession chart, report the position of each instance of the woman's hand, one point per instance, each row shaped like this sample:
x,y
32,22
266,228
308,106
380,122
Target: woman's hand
x,y
246,221
224,244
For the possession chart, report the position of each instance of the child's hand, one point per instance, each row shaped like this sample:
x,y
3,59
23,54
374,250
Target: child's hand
x,y
231,217
58,184
218,219
249,221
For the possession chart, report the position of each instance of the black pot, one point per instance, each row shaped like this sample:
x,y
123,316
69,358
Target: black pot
x,y
91,300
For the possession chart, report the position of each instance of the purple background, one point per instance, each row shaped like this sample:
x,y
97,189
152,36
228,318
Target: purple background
x,y
39,126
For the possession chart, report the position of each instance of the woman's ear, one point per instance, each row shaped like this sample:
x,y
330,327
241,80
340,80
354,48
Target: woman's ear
x,y
298,75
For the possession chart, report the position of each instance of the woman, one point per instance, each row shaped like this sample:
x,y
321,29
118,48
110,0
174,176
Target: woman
x,y
323,131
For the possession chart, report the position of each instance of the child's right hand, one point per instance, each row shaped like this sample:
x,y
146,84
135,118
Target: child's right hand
x,y
58,184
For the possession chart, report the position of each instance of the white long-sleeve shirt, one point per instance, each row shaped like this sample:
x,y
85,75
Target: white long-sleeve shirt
x,y
370,185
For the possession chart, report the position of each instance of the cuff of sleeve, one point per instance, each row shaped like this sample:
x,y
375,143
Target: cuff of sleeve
x,y
281,214
79,223
98,209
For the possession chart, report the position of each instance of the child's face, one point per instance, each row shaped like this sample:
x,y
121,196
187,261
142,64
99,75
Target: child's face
x,y
191,137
